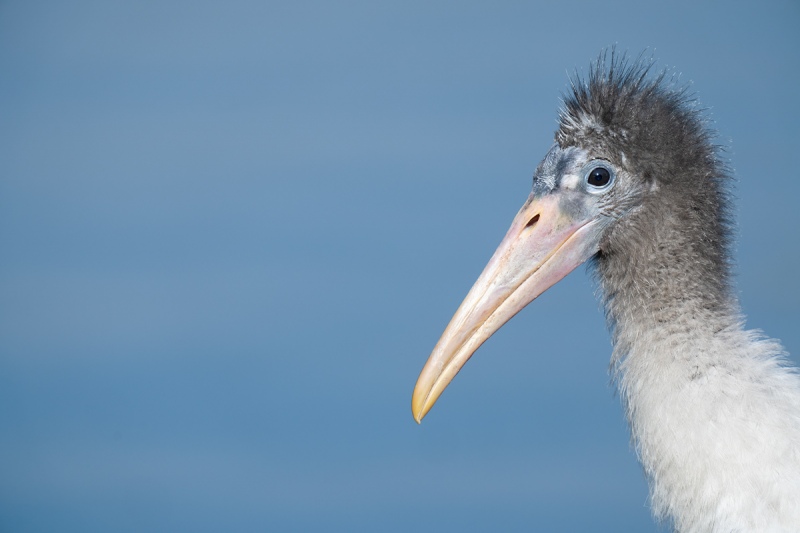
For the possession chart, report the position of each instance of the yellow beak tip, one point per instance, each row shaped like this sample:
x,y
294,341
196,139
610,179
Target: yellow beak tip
x,y
420,404
419,414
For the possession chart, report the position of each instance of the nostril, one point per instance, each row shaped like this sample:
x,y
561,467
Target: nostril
x,y
532,221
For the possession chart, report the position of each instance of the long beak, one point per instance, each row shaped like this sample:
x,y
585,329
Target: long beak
x,y
544,244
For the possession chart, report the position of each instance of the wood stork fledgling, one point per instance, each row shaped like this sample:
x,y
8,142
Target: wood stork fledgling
x,y
634,184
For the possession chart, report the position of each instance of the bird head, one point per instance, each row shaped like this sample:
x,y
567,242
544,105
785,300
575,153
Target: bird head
x,y
630,153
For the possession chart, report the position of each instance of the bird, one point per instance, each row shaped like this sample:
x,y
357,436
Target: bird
x,y
635,186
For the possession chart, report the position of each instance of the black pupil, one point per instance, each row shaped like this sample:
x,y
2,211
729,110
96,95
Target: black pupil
x,y
599,177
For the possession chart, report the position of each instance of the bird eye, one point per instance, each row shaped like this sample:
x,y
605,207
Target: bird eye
x,y
599,177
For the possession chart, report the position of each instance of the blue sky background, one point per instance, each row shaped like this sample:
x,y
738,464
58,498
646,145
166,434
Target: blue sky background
x,y
231,233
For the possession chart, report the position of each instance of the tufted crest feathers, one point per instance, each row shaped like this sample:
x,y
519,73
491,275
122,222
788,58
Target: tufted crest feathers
x,y
622,110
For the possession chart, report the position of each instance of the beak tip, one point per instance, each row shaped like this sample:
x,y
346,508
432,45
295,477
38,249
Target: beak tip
x,y
417,411
421,402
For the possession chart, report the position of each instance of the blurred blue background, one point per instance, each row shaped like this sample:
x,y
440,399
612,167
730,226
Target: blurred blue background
x,y
231,233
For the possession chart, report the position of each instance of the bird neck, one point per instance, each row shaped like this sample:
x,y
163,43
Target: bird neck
x,y
712,411
664,277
